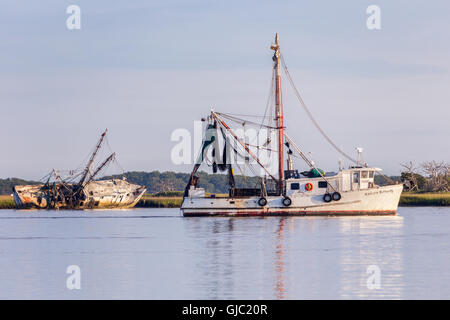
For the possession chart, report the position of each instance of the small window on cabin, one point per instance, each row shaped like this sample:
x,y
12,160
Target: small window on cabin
x,y
323,184
364,174
295,186
370,174
355,177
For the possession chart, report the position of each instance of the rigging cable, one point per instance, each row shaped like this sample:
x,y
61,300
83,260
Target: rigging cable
x,y
242,121
269,100
269,107
116,162
297,93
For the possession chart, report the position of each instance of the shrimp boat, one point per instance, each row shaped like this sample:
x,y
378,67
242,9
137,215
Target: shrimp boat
x,y
280,190
80,190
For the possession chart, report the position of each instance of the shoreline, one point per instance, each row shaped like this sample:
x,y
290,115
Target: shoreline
x,y
149,201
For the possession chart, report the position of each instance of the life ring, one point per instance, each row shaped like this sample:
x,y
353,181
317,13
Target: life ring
x,y
336,196
262,202
287,202
309,186
327,197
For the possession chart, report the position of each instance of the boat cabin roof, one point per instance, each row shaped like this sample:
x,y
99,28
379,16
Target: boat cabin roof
x,y
329,175
352,169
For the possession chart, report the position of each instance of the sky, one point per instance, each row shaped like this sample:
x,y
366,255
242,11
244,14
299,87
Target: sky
x,y
143,69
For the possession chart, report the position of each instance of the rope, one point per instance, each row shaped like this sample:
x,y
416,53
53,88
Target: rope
x,y
116,162
269,100
297,93
242,121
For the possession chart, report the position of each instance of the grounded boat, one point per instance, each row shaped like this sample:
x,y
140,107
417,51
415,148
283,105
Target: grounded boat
x,y
86,193
351,191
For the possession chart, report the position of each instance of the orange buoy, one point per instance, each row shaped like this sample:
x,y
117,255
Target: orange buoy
x,y
309,186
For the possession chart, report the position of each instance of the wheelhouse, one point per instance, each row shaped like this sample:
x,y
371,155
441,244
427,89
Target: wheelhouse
x,y
345,180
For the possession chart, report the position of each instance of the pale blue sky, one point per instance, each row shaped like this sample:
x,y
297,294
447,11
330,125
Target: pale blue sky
x,y
145,68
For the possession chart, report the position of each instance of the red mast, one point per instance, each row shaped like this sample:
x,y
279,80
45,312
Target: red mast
x,y
278,110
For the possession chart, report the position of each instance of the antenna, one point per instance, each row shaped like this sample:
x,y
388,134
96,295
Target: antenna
x,y
359,158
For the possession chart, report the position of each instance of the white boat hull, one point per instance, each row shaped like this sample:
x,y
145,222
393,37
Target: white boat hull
x,y
373,201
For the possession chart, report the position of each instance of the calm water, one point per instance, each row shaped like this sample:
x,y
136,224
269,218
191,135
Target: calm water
x,y
156,254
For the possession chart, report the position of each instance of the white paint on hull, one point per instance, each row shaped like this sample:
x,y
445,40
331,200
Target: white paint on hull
x,y
373,201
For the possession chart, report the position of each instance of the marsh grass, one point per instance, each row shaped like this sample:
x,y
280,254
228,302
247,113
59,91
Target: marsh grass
x,y
425,199
167,194
406,199
152,201
170,199
7,202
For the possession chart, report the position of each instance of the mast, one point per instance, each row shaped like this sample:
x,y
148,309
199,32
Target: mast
x,y
100,167
278,110
91,160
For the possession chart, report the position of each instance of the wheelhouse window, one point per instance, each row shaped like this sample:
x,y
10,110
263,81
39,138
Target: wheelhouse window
x,y
364,174
370,174
323,184
295,186
355,177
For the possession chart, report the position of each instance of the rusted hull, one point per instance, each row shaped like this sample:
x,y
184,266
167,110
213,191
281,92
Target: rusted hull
x,y
106,194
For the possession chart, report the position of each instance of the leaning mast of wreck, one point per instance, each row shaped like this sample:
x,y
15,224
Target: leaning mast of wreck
x,y
100,167
91,160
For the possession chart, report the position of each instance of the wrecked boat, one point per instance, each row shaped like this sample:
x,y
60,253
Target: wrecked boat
x,y
80,190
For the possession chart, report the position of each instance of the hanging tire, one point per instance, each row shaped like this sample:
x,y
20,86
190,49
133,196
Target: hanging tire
x,y
336,196
262,202
287,202
327,197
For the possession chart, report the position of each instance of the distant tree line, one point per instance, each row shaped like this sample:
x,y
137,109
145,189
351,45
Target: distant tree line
x,y
427,177
164,182
430,176
381,180
159,182
6,185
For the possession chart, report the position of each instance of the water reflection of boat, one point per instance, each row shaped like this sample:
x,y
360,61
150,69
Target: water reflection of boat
x,y
280,289
365,249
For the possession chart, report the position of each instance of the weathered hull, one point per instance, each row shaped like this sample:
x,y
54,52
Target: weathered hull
x,y
375,201
106,194
112,194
